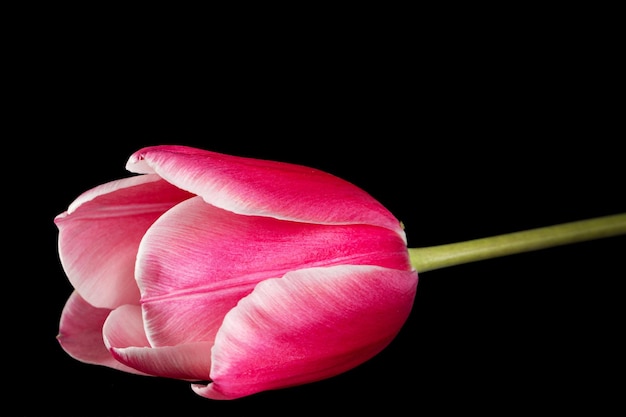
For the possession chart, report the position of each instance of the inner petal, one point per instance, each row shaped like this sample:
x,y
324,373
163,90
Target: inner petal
x,y
100,232
125,338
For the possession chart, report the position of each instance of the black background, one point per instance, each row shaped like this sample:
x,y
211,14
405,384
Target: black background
x,y
461,136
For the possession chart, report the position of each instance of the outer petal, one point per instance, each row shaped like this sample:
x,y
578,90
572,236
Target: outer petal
x,y
198,260
100,232
264,188
311,324
124,336
80,333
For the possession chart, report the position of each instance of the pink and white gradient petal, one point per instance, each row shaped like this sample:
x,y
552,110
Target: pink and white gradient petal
x,y
125,338
264,188
310,325
99,236
80,334
197,261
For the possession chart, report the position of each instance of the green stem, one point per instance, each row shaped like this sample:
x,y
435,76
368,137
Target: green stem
x,y
442,256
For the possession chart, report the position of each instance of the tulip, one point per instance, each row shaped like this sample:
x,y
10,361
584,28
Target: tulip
x,y
237,275
243,275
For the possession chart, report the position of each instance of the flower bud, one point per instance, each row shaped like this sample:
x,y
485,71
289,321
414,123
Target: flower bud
x,y
236,274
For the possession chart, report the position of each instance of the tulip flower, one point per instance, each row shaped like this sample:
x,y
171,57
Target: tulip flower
x,y
247,274
241,275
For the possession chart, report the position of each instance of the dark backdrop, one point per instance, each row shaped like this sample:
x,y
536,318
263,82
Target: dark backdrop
x,y
475,138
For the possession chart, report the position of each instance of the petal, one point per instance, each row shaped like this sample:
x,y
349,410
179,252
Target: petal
x,y
198,260
264,188
311,324
124,327
100,232
80,333
126,339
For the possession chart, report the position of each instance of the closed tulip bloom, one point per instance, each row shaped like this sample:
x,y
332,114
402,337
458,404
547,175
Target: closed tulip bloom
x,y
238,275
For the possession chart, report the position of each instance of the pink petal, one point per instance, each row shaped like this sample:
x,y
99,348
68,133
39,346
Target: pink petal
x,y
311,324
80,333
124,327
125,337
198,260
264,188
99,236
